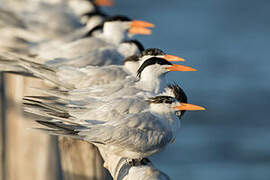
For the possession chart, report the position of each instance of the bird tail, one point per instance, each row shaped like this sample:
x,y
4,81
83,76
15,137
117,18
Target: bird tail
x,y
19,64
56,120
58,129
47,110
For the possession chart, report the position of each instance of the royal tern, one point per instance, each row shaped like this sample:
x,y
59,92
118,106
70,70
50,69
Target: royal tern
x,y
132,135
29,20
106,109
106,55
133,63
70,77
127,87
151,74
90,17
115,30
36,15
108,74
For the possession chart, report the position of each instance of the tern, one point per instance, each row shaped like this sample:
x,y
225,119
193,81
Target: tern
x,y
151,78
152,82
90,17
131,135
133,63
71,77
115,30
102,56
26,24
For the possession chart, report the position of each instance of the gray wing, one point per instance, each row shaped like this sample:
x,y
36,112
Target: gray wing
x,y
11,62
109,111
74,49
104,111
81,57
102,56
101,75
56,43
141,133
102,90
138,132
132,135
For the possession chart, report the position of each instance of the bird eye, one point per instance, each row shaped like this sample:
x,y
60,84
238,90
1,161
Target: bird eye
x,y
167,101
178,114
159,62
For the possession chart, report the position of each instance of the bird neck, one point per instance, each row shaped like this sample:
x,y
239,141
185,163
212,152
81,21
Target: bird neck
x,y
153,84
131,67
128,49
169,119
92,22
113,35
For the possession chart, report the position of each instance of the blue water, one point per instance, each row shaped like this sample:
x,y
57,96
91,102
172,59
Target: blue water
x,y
228,42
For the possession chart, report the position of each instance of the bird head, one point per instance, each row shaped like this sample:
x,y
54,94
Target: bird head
x,y
173,100
156,67
133,63
122,27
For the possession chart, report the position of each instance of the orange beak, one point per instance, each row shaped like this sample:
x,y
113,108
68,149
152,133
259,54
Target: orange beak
x,y
177,67
189,107
172,58
140,27
140,30
104,2
138,23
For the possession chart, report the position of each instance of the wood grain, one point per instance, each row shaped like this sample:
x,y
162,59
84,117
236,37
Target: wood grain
x,y
29,155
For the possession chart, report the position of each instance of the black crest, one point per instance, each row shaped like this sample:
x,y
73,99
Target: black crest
x,y
95,29
180,95
134,58
152,52
94,13
151,61
161,99
117,18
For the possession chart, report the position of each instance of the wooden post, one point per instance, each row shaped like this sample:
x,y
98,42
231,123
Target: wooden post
x,y
29,155
81,160
2,129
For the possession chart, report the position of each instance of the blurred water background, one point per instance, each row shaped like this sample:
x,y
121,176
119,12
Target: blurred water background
x,y
228,42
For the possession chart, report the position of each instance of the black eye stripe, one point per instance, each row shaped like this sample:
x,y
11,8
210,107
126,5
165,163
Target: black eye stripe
x,y
152,51
151,61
